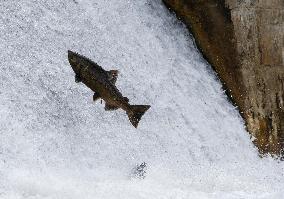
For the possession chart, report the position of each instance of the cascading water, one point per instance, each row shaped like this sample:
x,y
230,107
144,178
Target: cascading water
x,y
55,142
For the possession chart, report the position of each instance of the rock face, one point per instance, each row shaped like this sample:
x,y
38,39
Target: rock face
x,y
244,42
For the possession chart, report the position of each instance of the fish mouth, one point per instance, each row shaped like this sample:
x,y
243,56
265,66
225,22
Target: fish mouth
x,y
71,54
73,60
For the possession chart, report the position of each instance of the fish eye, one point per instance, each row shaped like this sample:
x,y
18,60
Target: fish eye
x,y
73,59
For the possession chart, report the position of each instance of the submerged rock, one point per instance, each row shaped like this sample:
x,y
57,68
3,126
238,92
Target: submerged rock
x,y
139,171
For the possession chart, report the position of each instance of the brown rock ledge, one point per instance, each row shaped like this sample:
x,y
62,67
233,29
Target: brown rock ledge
x,y
244,43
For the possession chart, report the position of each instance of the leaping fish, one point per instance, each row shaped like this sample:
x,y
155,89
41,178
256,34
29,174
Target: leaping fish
x,y
102,83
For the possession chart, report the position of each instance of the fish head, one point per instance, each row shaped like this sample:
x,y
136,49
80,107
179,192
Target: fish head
x,y
74,60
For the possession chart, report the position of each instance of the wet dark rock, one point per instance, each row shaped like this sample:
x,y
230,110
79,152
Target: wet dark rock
x,y
244,43
139,171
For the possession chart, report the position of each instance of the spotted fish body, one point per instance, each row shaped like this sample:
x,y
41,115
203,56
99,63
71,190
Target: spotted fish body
x,y
102,83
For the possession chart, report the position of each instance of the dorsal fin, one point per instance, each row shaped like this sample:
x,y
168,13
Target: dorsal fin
x,y
112,76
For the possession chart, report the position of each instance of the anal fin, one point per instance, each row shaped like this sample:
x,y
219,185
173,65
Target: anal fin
x,y
126,99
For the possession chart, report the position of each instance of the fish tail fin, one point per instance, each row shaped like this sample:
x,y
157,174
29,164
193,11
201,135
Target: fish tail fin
x,y
137,111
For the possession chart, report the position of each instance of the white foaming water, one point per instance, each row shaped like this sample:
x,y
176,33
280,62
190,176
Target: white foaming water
x,y
56,143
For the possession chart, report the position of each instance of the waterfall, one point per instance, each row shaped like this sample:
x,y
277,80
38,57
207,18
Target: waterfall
x,y
55,142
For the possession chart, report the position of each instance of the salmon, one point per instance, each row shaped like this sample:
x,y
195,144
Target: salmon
x,y
102,83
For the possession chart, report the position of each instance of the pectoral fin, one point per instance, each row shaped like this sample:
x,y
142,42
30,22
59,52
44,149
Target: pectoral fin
x,y
112,76
96,96
77,78
109,107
